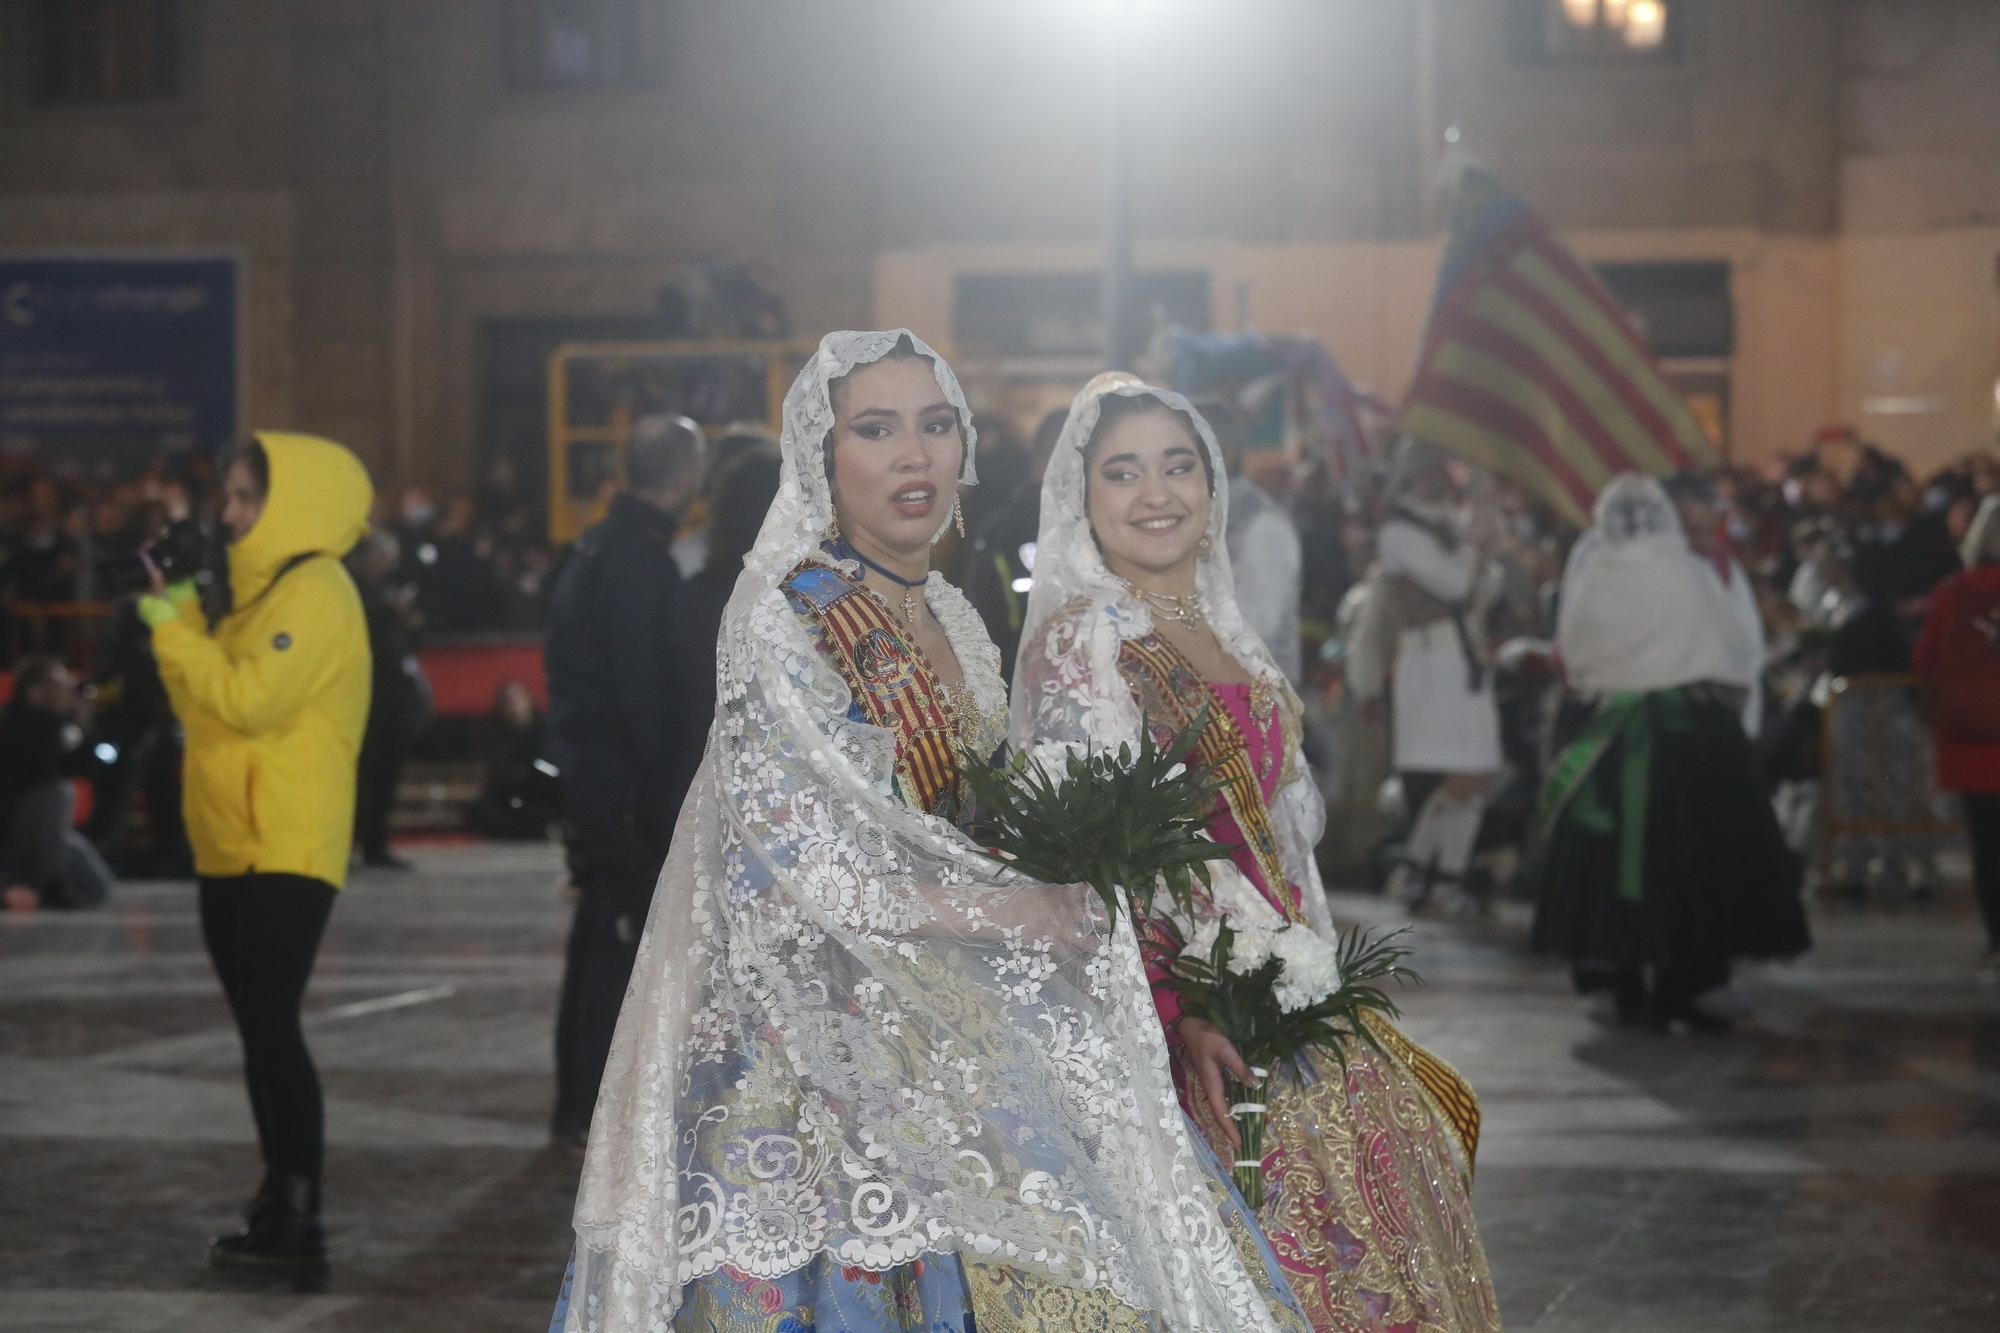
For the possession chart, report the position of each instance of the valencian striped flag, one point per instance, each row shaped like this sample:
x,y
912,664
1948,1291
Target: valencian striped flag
x,y
1529,368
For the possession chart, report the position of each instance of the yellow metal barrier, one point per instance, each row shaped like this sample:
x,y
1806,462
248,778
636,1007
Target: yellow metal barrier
x,y
598,390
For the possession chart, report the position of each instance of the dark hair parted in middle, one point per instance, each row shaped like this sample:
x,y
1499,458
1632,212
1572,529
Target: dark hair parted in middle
x,y
903,350
1113,408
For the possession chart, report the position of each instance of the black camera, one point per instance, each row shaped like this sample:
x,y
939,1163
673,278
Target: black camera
x,y
183,550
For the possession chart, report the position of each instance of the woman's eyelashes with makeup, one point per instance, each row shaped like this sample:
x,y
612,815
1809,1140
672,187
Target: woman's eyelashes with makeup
x,y
1125,469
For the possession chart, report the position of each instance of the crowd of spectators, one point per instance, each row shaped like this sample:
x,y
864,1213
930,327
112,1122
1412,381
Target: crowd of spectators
x,y
475,563
70,541
1838,547
1841,544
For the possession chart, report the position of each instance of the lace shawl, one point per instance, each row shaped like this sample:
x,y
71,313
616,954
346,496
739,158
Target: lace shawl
x,y
1067,686
848,1036
1639,612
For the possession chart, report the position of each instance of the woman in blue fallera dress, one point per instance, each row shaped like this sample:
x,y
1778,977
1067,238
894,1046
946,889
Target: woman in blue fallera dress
x,y
865,1079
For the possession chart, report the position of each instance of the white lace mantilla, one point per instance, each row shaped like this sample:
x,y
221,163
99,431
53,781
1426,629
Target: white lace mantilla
x,y
851,1037
1067,686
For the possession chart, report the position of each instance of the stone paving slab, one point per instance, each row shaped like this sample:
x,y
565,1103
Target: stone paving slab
x,y
1833,1166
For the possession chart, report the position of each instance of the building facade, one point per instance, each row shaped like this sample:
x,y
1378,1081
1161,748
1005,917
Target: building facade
x,y
425,197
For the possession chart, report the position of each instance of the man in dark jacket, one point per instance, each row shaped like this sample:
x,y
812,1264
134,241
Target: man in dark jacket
x,y
399,699
619,738
44,861
999,561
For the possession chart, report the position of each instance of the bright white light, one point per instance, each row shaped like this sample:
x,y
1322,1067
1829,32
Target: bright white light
x,y
1115,18
1022,585
1451,134
106,752
1580,13
1646,24
1028,556
544,766
427,554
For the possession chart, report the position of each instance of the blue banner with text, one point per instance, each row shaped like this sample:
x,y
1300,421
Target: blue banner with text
x,y
113,357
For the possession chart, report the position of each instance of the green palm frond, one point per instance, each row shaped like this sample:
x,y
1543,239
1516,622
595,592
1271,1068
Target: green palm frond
x,y
1124,823
1246,1007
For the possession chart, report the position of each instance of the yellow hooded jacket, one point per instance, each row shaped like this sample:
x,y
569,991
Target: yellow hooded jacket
x,y
275,698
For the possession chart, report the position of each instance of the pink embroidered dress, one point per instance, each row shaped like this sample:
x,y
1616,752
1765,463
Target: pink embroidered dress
x,y
1367,1171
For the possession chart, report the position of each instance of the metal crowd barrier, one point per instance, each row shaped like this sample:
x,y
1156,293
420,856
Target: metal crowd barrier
x,y
73,631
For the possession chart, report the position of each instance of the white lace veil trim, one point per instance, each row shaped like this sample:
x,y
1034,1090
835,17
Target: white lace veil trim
x,y
1067,687
803,508
848,1037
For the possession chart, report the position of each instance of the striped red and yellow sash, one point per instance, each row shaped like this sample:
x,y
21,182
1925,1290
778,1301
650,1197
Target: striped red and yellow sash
x,y
893,686
1172,694
1450,1096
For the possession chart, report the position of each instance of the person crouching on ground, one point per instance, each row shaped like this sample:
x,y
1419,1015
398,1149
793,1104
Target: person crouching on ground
x,y
273,698
44,861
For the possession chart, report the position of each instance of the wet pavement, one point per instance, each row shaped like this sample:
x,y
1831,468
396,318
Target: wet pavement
x,y
1835,1165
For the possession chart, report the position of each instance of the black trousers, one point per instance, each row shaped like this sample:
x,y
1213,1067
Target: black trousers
x,y
376,777
1982,828
596,968
263,932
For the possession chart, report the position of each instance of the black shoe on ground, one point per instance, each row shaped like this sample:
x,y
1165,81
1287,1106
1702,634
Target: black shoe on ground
x,y
1628,1000
1694,1018
282,1231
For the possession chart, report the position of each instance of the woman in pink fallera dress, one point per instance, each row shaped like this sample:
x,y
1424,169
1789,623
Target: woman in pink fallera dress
x,y
1132,623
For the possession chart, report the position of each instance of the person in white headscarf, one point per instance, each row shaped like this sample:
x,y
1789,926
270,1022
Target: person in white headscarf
x,y
1434,587
1659,859
865,1078
1134,627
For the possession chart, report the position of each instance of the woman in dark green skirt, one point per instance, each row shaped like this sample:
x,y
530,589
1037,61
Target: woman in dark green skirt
x,y
1658,858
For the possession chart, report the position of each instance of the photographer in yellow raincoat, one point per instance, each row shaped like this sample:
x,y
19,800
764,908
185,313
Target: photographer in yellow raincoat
x,y
273,698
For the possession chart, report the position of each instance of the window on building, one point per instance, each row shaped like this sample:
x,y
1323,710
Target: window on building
x,y
1595,30
106,50
582,43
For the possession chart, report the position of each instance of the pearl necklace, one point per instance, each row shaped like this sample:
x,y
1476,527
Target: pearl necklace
x,y
1178,608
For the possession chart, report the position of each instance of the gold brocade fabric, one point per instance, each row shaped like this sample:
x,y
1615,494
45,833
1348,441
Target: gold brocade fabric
x,y
1450,1095
1366,1172
1013,1300
1366,1203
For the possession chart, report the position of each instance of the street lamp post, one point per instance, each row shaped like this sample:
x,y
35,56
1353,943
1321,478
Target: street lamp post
x,y
1116,282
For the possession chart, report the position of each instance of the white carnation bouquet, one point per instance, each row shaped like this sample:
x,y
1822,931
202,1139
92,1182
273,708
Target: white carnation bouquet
x,y
1275,988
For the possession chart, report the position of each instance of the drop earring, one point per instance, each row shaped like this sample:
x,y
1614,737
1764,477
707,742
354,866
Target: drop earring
x,y
832,532
1204,548
957,521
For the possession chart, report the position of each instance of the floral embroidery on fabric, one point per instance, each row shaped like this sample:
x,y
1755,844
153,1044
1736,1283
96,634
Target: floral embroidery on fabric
x,y
853,1046
1366,1178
